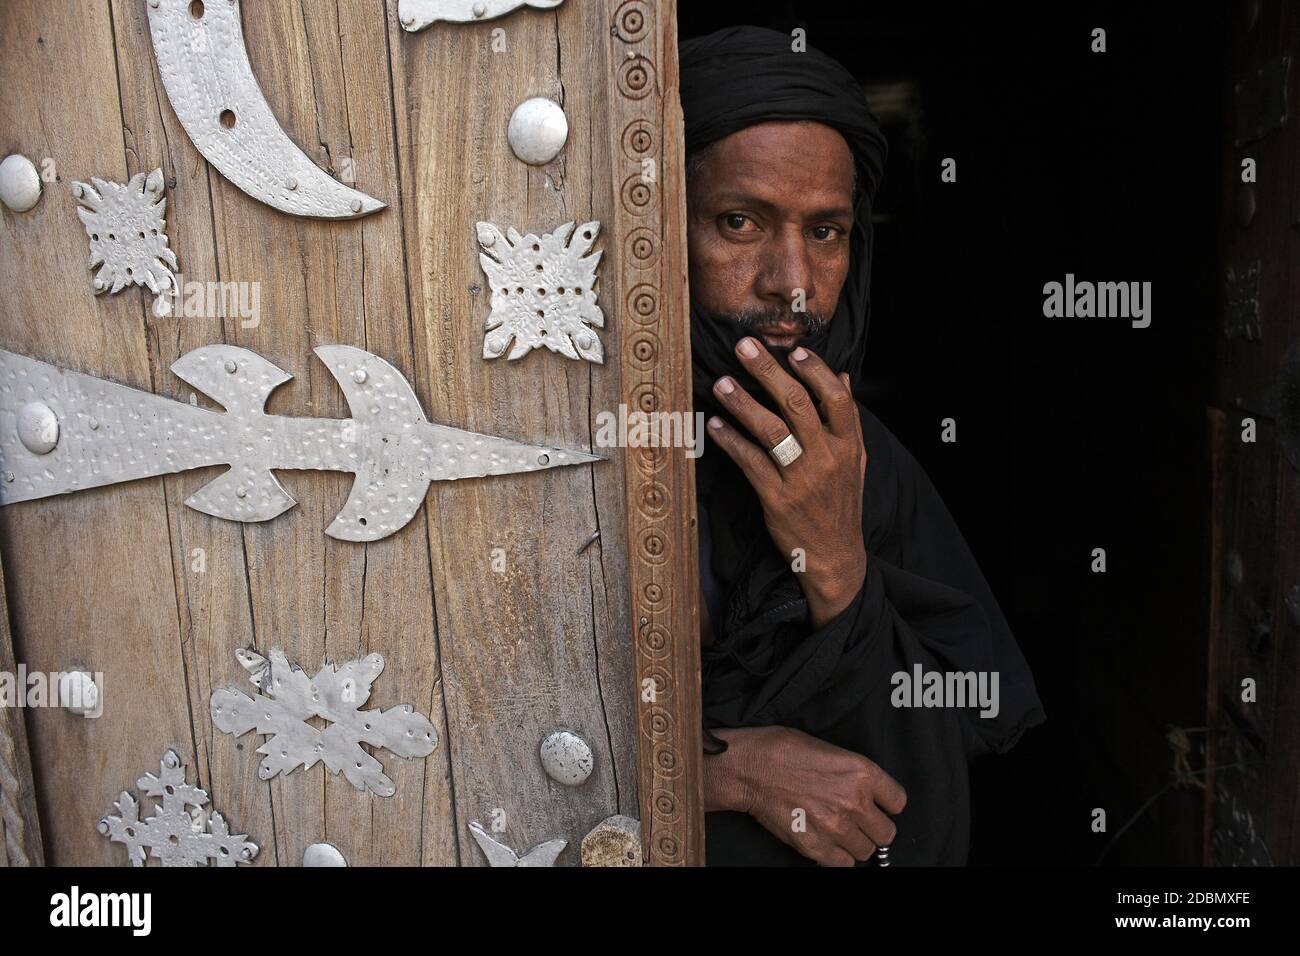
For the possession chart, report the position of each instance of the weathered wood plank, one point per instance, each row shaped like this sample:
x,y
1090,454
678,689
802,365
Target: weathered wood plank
x,y
89,575
536,646
650,223
322,68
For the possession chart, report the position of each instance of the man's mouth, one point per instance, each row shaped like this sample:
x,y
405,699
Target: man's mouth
x,y
781,335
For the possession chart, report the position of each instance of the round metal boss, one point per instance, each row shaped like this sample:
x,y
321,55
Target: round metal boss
x,y
538,130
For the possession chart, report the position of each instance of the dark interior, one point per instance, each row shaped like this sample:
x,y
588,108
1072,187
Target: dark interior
x,y
1073,434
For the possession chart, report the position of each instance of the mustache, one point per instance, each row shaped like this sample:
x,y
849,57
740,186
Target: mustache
x,y
810,322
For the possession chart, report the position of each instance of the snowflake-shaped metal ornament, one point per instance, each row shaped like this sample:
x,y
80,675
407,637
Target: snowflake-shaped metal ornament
x,y
181,832
543,291
128,234
291,698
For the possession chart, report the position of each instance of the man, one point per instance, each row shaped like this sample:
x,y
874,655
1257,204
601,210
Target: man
x,y
829,563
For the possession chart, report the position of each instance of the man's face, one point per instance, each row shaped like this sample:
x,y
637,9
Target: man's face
x,y
768,216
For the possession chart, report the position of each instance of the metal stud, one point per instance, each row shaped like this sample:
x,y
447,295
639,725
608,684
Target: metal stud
x,y
323,854
538,130
38,428
567,758
20,184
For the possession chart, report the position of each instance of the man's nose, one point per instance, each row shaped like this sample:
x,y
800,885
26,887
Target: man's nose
x,y
786,269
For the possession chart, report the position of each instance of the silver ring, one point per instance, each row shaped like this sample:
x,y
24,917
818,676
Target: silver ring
x,y
786,450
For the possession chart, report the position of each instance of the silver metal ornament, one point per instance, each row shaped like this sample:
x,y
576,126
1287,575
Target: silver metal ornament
x,y
209,80
543,291
415,15
291,698
566,758
537,131
181,831
108,433
20,183
128,234
498,854
323,854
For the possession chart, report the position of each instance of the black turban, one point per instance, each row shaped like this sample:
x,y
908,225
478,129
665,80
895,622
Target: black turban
x,y
924,602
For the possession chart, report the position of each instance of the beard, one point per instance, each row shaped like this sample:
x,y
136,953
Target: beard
x,y
811,323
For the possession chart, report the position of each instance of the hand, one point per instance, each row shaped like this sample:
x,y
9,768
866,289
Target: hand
x,y
815,502
773,772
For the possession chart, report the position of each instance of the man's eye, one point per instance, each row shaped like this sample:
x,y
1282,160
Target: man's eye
x,y
736,221
825,233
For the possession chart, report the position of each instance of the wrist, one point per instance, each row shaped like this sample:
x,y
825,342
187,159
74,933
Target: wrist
x,y
729,781
829,594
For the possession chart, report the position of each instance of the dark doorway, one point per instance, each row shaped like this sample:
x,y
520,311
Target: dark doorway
x,y
1072,434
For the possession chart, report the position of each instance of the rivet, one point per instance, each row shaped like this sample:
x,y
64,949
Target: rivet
x,y
38,428
241,492
291,183
9,476
360,376
543,459
408,20
323,854
230,366
94,424
566,758
20,184
356,205
538,130
154,4
479,9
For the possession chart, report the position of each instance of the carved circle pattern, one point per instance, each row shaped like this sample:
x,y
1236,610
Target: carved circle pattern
x,y
631,21
636,78
639,195
663,681
666,761
658,724
655,641
643,304
639,140
663,804
650,459
654,501
644,350
642,248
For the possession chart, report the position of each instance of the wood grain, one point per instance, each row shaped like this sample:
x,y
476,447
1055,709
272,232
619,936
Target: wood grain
x,y
129,581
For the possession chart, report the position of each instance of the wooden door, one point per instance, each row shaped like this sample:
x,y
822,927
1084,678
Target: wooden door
x,y
1253,789
499,612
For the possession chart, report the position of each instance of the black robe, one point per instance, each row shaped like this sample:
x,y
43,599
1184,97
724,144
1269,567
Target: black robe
x,y
924,601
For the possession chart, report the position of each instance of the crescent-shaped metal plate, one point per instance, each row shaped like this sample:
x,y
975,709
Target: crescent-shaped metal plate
x,y
210,83
415,15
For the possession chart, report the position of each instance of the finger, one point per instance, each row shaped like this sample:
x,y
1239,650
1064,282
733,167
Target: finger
x,y
835,856
757,466
792,398
857,422
877,827
857,843
765,426
836,399
889,795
